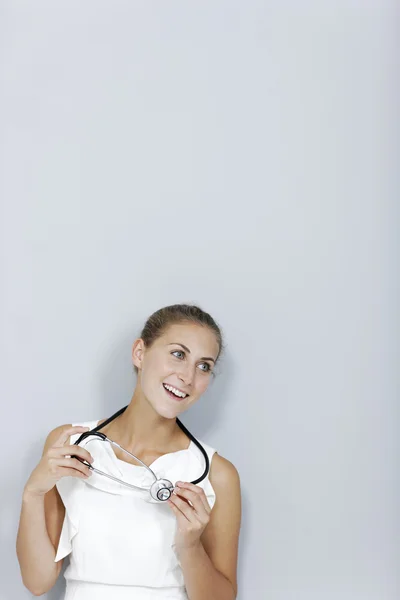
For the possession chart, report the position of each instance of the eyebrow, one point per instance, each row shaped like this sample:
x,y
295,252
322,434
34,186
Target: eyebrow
x,y
188,351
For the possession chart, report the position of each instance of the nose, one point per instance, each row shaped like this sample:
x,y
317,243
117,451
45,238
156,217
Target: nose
x,y
186,374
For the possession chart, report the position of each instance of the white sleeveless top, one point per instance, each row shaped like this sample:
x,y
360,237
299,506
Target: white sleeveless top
x,y
121,541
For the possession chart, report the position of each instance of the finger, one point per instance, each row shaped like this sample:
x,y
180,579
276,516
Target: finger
x,y
73,463
189,486
196,490
74,450
67,472
68,451
184,508
195,499
66,434
179,515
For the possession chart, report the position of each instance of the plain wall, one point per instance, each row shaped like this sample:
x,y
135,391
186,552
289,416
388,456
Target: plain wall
x,y
238,155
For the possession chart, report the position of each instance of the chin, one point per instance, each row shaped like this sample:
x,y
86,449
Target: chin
x,y
166,408
169,412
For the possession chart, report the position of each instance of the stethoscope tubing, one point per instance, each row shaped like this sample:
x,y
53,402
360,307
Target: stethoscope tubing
x,y
132,455
129,485
95,432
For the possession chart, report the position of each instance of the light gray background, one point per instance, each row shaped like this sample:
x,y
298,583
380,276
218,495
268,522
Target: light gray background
x,y
239,155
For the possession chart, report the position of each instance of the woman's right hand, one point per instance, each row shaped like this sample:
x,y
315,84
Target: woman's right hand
x,y
56,463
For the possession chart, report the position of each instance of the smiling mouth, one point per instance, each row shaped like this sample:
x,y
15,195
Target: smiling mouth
x,y
174,396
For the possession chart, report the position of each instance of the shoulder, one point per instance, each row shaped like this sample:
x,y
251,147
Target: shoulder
x,y
68,433
55,435
224,475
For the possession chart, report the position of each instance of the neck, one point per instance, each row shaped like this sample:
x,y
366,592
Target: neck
x,y
140,427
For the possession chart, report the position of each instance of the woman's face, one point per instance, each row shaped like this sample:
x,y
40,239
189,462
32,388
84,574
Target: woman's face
x,y
182,358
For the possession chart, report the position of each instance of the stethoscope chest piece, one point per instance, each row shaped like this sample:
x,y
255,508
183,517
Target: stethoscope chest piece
x,y
161,490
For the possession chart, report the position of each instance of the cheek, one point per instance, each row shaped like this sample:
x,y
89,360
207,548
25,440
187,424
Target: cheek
x,y
155,367
202,384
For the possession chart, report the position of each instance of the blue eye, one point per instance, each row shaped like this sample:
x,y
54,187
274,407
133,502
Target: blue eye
x,y
204,370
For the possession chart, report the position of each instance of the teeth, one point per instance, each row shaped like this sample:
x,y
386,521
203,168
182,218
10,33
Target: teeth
x,y
174,391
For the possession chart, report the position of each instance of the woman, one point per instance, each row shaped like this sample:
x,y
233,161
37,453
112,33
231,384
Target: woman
x,y
125,543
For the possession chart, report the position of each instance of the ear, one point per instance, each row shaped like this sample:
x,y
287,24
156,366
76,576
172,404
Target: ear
x,y
138,349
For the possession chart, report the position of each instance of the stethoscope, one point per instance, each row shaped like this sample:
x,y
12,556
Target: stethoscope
x,y
161,489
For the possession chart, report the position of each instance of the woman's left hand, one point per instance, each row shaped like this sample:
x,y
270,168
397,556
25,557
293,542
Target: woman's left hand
x,y
191,520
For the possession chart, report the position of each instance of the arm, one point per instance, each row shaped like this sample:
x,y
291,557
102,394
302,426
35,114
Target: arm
x,y
42,516
210,567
